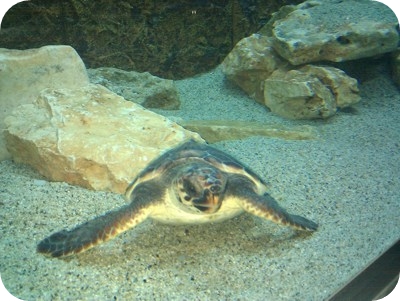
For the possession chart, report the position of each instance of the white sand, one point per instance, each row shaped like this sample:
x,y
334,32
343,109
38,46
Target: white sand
x,y
347,181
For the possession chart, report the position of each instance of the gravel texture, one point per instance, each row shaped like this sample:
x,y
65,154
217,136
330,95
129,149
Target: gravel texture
x,y
347,180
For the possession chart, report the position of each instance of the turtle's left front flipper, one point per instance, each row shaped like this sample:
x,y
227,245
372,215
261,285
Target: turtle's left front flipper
x,y
101,228
265,206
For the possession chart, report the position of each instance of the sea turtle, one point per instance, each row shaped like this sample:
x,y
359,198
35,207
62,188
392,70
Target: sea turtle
x,y
191,184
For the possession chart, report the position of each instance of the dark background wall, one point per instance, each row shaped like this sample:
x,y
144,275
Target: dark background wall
x,y
170,39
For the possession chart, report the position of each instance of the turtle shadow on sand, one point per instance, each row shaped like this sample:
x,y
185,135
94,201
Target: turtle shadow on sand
x,y
171,245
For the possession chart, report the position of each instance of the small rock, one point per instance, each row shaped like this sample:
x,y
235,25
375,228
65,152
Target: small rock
x,y
142,88
250,62
310,92
89,137
217,130
24,73
297,95
344,88
37,182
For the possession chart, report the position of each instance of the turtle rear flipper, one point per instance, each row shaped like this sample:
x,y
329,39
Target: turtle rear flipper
x,y
265,206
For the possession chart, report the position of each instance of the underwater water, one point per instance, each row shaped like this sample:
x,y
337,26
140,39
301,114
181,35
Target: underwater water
x,y
346,179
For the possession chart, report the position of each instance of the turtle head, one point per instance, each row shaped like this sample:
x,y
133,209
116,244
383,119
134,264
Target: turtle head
x,y
200,188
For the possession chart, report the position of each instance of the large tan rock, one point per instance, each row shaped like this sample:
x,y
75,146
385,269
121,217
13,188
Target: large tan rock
x,y
250,62
24,73
89,137
141,87
310,92
318,30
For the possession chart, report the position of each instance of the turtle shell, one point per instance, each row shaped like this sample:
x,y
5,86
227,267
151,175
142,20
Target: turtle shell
x,y
192,151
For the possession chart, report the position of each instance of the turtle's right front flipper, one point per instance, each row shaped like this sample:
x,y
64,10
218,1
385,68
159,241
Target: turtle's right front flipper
x,y
101,228
265,206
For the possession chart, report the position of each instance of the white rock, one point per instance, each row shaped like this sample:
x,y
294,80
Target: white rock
x,y
89,137
24,73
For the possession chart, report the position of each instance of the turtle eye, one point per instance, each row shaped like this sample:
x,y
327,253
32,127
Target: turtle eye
x,y
189,187
215,188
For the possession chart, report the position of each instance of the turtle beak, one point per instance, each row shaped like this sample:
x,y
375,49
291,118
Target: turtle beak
x,y
209,202
215,203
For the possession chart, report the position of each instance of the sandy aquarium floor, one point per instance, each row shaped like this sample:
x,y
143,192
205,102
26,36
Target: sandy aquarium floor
x,y
347,180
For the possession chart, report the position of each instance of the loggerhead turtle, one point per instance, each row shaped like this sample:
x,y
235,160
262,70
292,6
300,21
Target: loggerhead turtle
x,y
190,184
